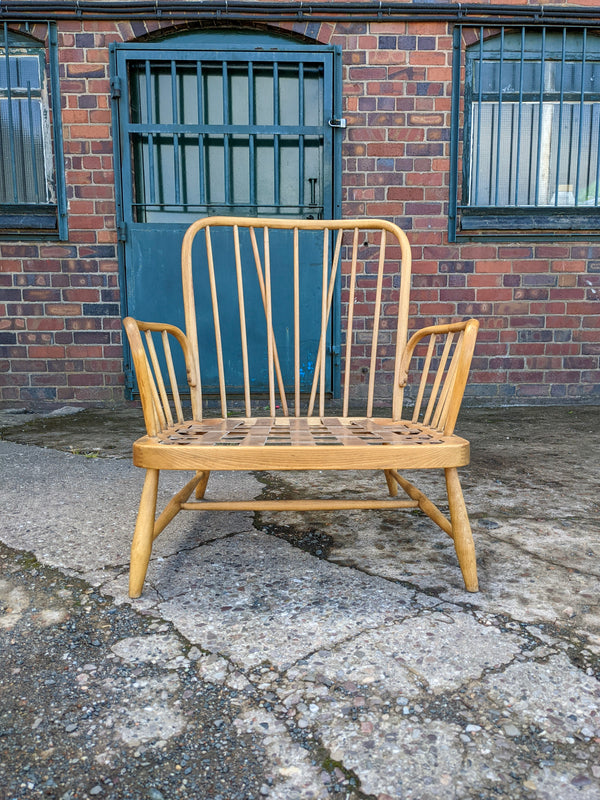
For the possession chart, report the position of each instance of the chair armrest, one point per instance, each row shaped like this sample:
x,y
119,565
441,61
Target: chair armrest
x,y
154,382
445,371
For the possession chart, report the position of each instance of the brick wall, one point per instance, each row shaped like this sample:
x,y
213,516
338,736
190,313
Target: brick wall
x,y
60,332
538,303
60,337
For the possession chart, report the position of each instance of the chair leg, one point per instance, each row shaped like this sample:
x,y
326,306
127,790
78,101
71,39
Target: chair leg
x,y
201,488
391,483
461,531
141,547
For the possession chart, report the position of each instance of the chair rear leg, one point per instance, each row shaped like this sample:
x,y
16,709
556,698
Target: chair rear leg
x,y
391,483
141,547
201,488
461,531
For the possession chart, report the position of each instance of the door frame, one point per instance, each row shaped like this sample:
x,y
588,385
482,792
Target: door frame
x,y
230,40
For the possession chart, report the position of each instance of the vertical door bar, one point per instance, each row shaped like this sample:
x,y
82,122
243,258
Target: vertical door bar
x,y
175,135
301,136
276,173
226,137
149,117
200,95
251,137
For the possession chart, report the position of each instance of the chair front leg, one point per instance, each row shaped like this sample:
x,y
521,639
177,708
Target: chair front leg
x,y
461,530
141,546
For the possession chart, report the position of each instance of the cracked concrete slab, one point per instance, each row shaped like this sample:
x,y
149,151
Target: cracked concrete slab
x,y
425,651
253,598
343,645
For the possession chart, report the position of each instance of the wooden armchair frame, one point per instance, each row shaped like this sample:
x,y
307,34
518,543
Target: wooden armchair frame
x,y
377,260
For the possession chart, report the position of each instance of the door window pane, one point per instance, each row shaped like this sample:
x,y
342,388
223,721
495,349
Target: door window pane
x,y
226,136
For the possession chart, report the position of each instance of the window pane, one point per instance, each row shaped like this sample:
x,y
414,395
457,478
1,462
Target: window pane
x,y
22,170
23,70
522,164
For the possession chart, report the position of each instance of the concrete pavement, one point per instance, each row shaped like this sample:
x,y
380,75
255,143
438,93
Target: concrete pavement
x,y
346,648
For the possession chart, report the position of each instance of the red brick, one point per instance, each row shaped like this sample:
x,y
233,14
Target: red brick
x,y
89,131
562,376
527,322
582,308
62,309
562,348
568,266
562,321
46,351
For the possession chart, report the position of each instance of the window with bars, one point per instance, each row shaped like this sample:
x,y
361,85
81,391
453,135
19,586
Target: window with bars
x,y
531,132
28,187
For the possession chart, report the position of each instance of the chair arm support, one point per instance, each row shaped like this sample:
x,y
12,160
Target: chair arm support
x,y
148,374
442,410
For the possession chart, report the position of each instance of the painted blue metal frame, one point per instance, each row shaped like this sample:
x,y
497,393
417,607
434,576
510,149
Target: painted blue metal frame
x,y
57,134
240,47
454,131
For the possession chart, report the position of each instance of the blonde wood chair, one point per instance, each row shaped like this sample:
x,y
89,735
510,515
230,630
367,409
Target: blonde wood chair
x,y
302,429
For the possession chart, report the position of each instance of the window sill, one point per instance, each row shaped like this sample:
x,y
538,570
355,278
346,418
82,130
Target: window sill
x,y
529,220
27,221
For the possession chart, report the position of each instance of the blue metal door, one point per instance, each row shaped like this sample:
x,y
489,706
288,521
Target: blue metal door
x,y
206,125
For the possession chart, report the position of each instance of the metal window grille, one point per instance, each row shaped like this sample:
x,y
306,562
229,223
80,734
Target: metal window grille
x,y
531,136
203,141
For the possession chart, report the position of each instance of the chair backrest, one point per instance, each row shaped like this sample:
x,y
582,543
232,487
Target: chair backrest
x,y
247,261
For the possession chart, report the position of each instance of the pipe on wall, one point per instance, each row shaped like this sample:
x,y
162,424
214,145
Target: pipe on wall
x,y
297,11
